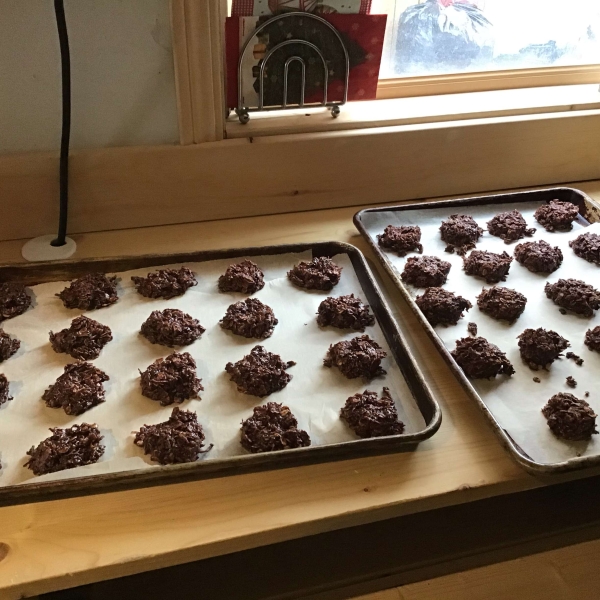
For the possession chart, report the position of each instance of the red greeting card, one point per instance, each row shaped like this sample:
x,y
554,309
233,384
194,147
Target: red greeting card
x,y
362,36
259,8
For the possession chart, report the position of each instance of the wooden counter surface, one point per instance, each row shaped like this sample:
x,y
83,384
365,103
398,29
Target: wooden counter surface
x,y
55,545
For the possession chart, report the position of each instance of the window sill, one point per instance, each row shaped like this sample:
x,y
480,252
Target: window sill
x,y
421,110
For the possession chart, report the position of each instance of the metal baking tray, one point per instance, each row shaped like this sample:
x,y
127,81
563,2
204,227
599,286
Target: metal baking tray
x,y
589,213
423,400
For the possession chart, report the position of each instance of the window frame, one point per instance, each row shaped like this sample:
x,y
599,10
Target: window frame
x,y
199,57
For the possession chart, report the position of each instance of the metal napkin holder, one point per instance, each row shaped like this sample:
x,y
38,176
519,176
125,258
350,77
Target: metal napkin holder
x,y
243,111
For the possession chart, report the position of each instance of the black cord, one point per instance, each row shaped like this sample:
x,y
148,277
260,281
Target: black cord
x,y
65,61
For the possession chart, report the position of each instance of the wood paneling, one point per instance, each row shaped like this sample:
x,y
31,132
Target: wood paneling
x,y
133,187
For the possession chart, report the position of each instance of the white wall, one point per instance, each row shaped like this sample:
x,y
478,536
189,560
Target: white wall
x,y
122,74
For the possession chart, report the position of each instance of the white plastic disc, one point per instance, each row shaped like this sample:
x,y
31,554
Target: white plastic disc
x,y
39,249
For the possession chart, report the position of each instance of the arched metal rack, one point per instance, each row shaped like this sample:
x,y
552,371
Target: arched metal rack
x,y
243,112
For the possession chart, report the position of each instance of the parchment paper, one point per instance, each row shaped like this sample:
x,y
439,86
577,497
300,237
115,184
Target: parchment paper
x,y
515,402
315,394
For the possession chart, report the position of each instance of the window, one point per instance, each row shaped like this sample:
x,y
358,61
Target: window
x,y
435,37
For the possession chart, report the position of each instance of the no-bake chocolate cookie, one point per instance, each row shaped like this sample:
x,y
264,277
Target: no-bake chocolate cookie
x,y
461,233
4,390
178,440
171,327
76,446
321,273
574,295
425,271
171,380
250,318
557,215
539,257
587,246
479,359
403,239
510,226
345,312
84,339
260,373
371,416
570,418
78,389
91,291
592,339
359,357
272,427
244,277
14,300
488,265
8,345
541,347
165,283
502,303
442,307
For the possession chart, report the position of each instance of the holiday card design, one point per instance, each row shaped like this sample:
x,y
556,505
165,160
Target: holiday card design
x,y
362,36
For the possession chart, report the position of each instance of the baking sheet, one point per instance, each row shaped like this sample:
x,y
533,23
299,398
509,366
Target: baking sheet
x,y
315,394
515,402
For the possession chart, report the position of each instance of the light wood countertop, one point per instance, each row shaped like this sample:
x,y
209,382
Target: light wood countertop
x,y
65,543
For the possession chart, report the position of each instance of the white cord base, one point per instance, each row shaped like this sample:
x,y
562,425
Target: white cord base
x,y
39,249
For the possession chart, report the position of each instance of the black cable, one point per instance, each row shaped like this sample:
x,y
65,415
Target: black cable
x,y
65,61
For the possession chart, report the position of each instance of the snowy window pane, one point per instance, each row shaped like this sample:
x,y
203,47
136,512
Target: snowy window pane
x,y
430,37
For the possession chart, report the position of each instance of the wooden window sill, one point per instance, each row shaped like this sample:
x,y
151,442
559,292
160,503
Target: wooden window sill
x,y
421,110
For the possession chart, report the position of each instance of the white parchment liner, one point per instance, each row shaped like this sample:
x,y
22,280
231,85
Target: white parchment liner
x,y
515,402
315,394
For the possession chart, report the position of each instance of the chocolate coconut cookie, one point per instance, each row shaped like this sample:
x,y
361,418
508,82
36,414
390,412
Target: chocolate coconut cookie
x,y
320,273
592,339
78,389
178,440
345,312
502,303
370,416
94,290
574,295
441,307
359,357
570,418
461,233
539,257
84,339
260,373
14,300
587,246
272,427
481,360
540,347
487,265
250,318
557,215
244,277
4,390
8,346
426,271
171,327
165,283
76,446
403,239
510,226
171,380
